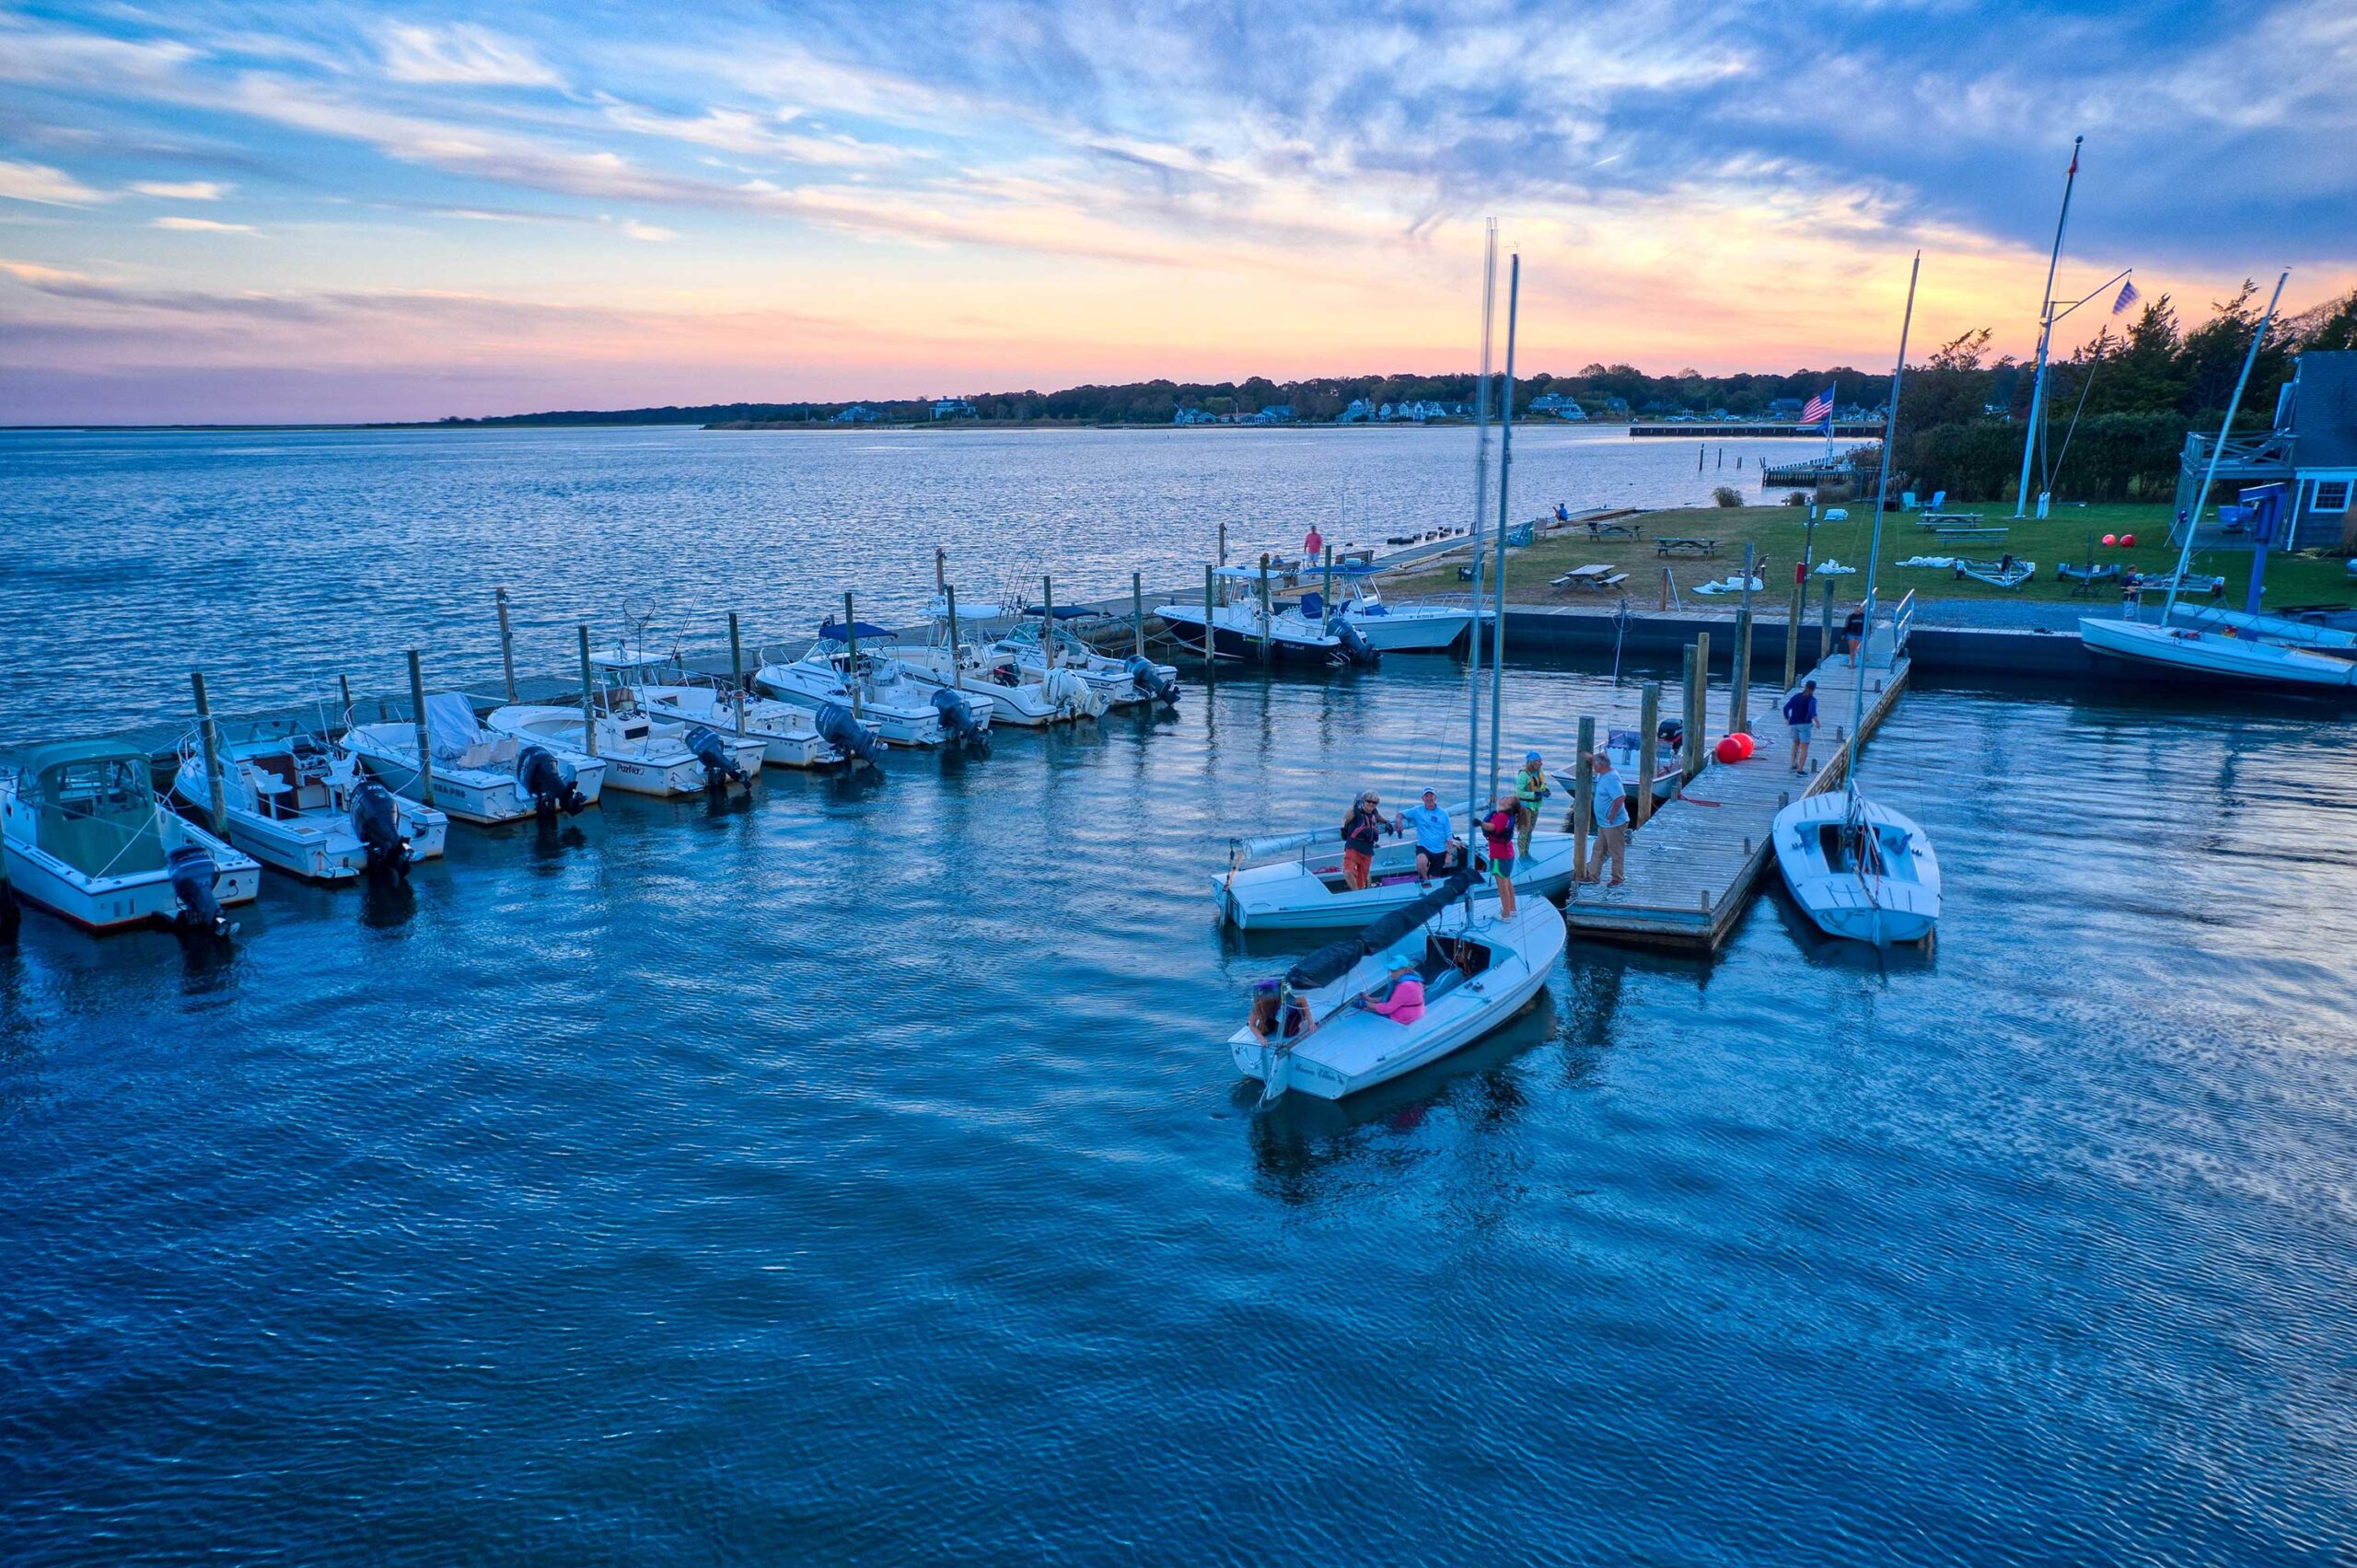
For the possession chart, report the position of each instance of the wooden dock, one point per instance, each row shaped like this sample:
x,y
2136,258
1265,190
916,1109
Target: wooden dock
x,y
1692,867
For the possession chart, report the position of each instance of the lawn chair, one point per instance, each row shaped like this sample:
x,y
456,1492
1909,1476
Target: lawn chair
x,y
1939,499
1907,501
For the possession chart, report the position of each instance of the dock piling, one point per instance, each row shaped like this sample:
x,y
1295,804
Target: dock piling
x,y
1648,747
1211,600
1137,612
507,645
588,699
737,669
343,684
209,735
1582,797
1699,722
1268,623
1825,625
424,742
949,603
851,657
1792,635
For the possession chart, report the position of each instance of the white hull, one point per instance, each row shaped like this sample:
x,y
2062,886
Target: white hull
x,y
317,843
1352,1050
641,755
485,796
782,729
904,717
1899,904
1026,703
113,903
2214,655
1235,632
1400,629
1307,894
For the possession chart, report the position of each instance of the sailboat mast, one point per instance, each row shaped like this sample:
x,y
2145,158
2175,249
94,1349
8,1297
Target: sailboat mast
x,y
2193,518
1874,550
1480,506
1506,471
2046,329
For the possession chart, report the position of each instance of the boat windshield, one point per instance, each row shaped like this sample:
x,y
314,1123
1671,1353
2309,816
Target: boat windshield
x,y
98,815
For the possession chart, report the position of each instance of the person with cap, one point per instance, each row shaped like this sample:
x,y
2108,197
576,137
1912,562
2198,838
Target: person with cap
x,y
1530,788
1430,822
1800,713
1360,830
1403,996
1498,829
1611,799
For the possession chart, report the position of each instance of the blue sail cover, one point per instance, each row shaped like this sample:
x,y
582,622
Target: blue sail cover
x,y
1335,960
832,632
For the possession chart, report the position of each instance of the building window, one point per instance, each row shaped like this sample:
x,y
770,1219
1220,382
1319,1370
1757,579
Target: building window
x,y
2329,495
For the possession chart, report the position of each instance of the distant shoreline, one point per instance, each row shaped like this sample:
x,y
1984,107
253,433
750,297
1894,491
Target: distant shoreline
x,y
815,427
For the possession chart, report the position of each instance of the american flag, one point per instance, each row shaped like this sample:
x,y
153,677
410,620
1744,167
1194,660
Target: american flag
x,y
2128,297
1821,407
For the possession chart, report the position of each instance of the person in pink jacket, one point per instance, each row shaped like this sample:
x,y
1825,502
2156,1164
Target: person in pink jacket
x,y
1405,1001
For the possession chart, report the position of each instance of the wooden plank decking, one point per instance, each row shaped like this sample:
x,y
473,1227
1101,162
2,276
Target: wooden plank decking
x,y
1692,867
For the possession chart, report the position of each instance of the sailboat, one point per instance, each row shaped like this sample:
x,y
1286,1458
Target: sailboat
x,y
1479,967
2224,645
1859,869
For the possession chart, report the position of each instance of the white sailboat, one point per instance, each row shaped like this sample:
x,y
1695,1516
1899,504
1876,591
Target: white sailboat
x,y
297,801
1295,882
87,839
479,775
2221,645
870,681
1858,870
1315,1030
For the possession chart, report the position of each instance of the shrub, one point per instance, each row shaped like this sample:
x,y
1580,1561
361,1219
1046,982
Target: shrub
x,y
1727,495
1794,498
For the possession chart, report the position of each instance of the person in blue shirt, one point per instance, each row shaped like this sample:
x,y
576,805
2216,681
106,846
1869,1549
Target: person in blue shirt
x,y
1800,712
1433,835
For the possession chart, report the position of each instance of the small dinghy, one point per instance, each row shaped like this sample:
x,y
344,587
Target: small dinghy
x,y
1858,870
1627,749
87,839
301,803
1296,881
1478,971
479,775
872,684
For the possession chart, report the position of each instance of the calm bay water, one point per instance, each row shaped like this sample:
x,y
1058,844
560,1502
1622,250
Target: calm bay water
x,y
855,1171
275,561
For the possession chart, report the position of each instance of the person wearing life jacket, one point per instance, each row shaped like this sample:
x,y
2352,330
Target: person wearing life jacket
x,y
1498,828
1361,829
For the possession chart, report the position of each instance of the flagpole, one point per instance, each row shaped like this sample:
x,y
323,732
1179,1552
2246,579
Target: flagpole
x,y
2046,329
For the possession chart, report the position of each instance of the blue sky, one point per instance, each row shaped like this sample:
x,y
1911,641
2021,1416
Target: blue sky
x,y
337,211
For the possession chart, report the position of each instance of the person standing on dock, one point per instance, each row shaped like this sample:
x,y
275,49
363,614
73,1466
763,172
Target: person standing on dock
x,y
1433,833
1360,830
1530,788
1313,546
1800,713
1498,828
1612,798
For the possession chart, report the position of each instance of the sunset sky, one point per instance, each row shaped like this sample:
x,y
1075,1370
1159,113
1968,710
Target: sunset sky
x,y
332,212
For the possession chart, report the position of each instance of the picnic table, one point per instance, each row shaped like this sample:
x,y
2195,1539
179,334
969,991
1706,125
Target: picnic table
x,y
1704,546
1616,530
1930,518
1962,531
1596,578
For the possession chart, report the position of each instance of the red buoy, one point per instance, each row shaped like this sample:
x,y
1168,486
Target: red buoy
x,y
1740,738
2128,541
2109,539
1730,749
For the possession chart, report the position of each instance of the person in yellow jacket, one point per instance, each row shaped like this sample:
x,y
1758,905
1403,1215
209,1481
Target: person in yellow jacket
x,y
1530,788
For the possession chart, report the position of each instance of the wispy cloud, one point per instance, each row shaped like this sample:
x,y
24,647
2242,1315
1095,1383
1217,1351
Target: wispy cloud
x,y
462,54
647,231
201,225
51,187
183,190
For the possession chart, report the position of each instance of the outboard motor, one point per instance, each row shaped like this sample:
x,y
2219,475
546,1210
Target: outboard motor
x,y
1150,679
1671,733
841,729
718,758
549,781
1355,647
957,717
378,821
194,872
9,918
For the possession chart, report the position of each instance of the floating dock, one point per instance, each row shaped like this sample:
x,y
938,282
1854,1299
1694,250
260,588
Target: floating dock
x,y
1692,867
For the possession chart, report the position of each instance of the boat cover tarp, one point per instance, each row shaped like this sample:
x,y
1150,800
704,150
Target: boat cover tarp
x,y
1336,959
832,632
450,723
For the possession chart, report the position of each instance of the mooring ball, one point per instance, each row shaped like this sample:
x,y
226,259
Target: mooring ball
x,y
2109,539
1730,749
1744,740
2128,541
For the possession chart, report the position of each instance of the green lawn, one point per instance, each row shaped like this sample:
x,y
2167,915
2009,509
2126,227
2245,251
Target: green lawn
x,y
1779,532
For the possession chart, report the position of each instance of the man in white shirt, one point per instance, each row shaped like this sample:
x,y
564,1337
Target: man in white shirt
x,y
1611,800
1432,829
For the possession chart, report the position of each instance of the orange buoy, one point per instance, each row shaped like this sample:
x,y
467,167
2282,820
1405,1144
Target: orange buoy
x,y
1730,749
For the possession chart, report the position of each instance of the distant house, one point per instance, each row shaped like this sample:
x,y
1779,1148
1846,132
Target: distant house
x,y
1359,412
2312,449
1275,414
953,408
1615,405
1785,410
1194,416
858,413
1556,405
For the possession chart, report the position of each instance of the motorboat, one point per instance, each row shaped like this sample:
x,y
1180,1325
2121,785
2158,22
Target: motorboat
x,y
993,674
787,732
297,801
870,681
1120,682
1414,627
479,775
1237,628
644,754
1859,869
1477,969
87,839
1627,749
1296,881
